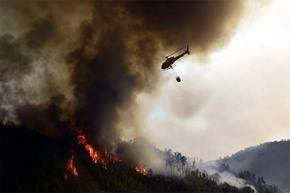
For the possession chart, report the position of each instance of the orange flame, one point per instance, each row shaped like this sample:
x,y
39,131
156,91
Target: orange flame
x,y
93,153
96,156
141,170
71,167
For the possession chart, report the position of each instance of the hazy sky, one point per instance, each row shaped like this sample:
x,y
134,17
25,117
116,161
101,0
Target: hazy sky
x,y
238,97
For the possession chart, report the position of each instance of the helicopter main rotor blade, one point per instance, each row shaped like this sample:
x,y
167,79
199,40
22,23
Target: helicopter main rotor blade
x,y
175,52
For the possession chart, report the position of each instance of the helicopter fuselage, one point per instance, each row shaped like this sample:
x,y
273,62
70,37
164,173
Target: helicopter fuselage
x,y
170,61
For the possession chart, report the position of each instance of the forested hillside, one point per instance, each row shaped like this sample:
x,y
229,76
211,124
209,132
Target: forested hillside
x,y
31,162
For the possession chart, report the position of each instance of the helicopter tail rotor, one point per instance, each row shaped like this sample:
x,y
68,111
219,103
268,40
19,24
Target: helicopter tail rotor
x,y
187,50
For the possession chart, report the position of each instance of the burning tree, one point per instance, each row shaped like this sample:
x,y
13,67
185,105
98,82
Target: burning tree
x,y
71,167
101,158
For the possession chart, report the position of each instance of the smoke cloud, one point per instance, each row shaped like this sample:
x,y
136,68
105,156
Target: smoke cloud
x,y
80,65
212,168
205,25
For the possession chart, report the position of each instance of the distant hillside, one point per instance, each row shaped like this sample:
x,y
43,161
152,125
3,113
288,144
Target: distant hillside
x,y
269,160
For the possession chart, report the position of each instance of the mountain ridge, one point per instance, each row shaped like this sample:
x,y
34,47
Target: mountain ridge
x,y
270,160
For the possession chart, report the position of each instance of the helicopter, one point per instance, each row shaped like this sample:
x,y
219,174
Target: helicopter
x,y
170,60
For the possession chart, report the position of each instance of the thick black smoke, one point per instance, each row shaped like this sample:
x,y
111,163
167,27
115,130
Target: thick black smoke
x,y
203,24
80,65
107,79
